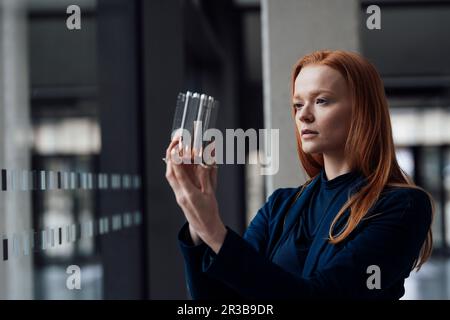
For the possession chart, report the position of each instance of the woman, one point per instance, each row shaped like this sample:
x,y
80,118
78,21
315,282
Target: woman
x,y
354,230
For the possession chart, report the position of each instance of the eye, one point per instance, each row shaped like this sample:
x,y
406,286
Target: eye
x,y
321,101
298,106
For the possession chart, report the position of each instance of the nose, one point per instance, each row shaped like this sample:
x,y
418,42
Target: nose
x,y
305,114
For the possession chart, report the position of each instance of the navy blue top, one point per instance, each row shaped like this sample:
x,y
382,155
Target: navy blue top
x,y
285,252
328,193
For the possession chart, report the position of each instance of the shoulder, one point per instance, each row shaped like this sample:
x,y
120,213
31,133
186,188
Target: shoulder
x,y
279,197
405,203
405,195
283,193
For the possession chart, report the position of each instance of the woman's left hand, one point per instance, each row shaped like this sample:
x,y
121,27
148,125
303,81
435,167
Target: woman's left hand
x,y
194,188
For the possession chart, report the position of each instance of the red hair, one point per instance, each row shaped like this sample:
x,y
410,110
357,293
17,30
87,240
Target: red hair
x,y
369,146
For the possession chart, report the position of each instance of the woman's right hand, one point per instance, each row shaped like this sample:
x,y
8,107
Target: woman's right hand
x,y
193,176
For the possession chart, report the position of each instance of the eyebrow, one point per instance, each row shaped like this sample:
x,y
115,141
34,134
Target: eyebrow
x,y
314,93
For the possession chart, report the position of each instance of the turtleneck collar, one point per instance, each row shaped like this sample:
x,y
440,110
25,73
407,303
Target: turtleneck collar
x,y
337,181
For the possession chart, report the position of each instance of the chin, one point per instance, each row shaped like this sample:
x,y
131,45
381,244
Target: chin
x,y
312,150
309,151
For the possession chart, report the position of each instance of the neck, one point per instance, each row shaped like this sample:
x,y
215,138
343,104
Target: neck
x,y
335,165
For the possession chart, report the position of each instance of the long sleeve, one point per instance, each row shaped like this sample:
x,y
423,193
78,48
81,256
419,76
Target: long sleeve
x,y
391,239
201,285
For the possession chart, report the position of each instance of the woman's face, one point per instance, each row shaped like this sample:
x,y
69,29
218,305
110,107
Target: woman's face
x,y
322,104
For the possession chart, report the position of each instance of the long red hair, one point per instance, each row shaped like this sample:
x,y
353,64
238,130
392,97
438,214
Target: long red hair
x,y
369,145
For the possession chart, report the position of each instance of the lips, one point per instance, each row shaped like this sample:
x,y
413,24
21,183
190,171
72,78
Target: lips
x,y
307,131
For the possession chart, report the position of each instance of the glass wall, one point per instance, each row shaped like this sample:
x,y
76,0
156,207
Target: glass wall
x,y
422,138
71,214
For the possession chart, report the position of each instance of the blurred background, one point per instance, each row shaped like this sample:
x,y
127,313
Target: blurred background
x,y
86,114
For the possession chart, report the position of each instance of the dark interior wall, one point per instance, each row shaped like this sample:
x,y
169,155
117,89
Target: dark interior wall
x,y
411,53
54,47
197,51
122,252
162,80
222,28
251,91
412,40
93,72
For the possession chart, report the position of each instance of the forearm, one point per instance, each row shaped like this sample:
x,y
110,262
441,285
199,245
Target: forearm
x,y
213,238
200,285
196,240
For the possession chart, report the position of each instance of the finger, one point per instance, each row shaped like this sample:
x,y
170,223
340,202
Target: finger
x,y
173,158
182,177
196,156
187,155
171,178
213,176
174,152
185,159
172,145
209,153
177,134
205,179
170,175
